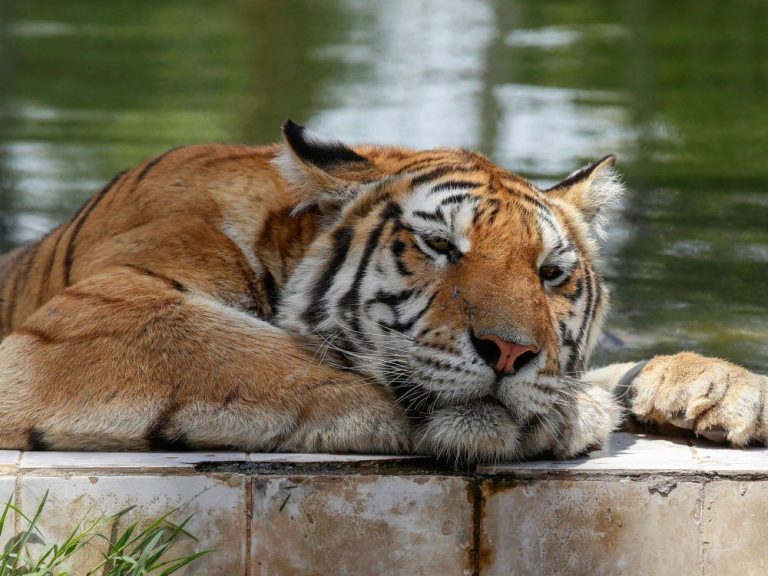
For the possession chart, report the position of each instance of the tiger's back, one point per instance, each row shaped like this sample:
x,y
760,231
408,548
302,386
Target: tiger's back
x,y
189,214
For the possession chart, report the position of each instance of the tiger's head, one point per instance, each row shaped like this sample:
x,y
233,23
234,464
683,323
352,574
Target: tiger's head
x,y
462,286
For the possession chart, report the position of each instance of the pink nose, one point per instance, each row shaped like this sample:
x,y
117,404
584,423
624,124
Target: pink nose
x,y
508,353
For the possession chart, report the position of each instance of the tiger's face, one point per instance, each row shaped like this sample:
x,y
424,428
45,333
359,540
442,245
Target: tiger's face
x,y
460,285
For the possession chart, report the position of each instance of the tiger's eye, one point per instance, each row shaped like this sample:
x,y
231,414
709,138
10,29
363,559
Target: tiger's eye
x,y
439,244
550,273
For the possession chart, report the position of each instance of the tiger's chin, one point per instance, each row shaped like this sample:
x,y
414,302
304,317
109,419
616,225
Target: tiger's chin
x,y
475,432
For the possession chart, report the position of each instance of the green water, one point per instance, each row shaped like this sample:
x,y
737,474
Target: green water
x,y
676,89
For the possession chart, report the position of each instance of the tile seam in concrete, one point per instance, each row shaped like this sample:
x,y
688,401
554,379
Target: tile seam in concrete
x,y
703,519
249,569
17,498
476,503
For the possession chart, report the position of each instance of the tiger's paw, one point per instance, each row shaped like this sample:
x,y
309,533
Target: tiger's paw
x,y
475,432
716,399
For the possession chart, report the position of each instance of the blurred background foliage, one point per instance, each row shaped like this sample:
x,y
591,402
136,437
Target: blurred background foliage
x,y
676,89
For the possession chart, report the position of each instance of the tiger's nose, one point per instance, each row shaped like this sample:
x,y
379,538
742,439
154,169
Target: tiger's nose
x,y
504,357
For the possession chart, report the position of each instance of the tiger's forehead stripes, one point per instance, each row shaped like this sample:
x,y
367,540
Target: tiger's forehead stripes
x,y
444,211
556,245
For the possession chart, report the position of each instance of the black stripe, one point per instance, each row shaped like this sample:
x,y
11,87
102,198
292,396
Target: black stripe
x,y
577,364
545,214
455,185
436,173
598,294
377,197
495,205
416,404
398,247
577,291
173,283
439,364
568,247
424,162
36,440
151,164
552,227
429,176
455,199
492,216
420,249
622,390
271,288
83,214
436,216
313,314
532,199
405,326
565,335
349,302
391,299
162,443
159,435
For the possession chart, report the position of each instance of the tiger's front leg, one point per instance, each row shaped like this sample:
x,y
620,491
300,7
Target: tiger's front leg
x,y
715,398
130,360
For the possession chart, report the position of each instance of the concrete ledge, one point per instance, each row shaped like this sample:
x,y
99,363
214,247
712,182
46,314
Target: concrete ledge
x,y
642,506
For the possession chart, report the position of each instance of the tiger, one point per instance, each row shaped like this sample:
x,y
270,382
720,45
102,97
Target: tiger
x,y
318,296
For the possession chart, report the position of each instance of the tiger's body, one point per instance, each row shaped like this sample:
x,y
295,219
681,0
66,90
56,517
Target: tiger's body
x,y
316,297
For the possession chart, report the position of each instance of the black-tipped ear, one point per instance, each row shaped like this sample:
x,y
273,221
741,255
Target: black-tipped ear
x,y
321,172
590,190
316,150
584,174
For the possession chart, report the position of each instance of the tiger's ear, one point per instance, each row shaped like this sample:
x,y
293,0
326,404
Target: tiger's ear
x,y
591,190
322,172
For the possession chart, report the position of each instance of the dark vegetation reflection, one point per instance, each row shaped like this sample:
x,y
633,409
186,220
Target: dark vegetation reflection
x,y
675,89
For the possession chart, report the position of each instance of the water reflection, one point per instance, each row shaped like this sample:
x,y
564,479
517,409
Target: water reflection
x,y
87,89
407,76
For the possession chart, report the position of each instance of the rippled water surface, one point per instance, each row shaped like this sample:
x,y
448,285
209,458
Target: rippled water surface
x,y
675,89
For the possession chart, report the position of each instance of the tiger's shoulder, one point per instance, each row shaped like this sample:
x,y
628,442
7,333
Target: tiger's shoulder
x,y
168,212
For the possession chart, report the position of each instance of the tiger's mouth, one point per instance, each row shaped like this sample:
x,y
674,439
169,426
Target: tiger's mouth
x,y
519,392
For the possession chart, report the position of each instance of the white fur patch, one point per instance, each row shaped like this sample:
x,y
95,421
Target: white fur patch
x,y
604,193
234,233
458,216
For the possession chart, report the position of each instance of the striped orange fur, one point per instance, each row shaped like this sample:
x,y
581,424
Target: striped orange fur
x,y
313,296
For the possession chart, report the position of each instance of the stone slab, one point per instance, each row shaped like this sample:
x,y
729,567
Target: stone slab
x,y
296,458
734,535
9,460
7,490
218,506
611,527
628,454
362,525
727,460
122,460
